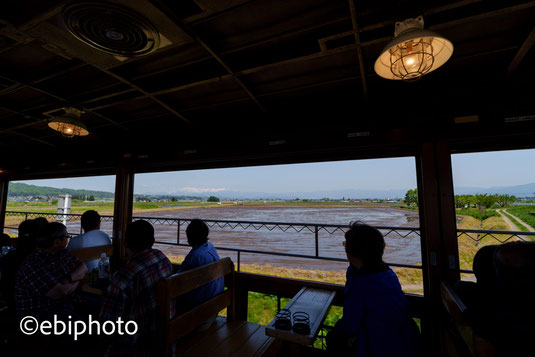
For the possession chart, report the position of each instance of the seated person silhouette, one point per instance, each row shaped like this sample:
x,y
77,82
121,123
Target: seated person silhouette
x,y
48,277
11,262
513,308
202,252
5,240
92,236
376,317
478,297
131,294
470,292
499,309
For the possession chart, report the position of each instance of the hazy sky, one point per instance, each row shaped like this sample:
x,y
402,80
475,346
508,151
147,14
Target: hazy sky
x,y
506,168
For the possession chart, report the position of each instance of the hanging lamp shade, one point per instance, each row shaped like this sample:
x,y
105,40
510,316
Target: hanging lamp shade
x,y
413,52
69,124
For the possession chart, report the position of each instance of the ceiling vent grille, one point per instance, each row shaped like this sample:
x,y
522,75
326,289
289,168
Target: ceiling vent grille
x,y
111,28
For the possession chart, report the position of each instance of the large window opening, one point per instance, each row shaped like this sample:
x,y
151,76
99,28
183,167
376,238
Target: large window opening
x,y
60,200
494,200
289,220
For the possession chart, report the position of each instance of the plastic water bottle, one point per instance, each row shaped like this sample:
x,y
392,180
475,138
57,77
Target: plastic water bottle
x,y
103,267
94,276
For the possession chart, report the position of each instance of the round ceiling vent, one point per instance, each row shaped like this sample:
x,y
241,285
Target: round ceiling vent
x,y
111,28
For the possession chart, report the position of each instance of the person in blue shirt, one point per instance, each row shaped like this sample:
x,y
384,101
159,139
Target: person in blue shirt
x,y
202,252
376,317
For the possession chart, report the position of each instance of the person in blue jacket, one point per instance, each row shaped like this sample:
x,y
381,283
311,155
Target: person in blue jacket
x,y
202,252
376,319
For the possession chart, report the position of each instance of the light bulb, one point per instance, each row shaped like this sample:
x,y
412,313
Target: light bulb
x,y
409,61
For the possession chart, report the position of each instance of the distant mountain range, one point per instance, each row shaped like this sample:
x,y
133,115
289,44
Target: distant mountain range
x,y
21,189
526,190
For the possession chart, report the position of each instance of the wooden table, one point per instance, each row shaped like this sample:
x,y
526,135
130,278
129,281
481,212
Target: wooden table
x,y
88,288
316,303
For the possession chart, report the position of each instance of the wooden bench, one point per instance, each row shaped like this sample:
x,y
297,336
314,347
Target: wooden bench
x,y
462,336
227,336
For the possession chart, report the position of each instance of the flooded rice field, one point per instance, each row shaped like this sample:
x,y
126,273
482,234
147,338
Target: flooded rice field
x,y
403,248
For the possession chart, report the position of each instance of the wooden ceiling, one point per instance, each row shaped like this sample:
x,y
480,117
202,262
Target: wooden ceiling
x,y
244,82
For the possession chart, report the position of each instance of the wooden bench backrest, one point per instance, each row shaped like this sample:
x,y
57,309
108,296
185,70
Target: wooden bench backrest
x,y
87,254
182,283
458,311
453,303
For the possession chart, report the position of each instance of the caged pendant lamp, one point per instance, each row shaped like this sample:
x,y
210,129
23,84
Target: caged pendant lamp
x,y
413,52
69,124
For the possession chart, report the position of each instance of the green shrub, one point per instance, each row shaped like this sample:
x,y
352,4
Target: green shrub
x,y
478,215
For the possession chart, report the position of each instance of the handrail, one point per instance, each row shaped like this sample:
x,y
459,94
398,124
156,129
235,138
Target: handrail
x,y
238,222
298,227
518,233
314,228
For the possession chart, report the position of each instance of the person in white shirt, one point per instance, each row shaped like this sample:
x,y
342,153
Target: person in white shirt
x,y
92,236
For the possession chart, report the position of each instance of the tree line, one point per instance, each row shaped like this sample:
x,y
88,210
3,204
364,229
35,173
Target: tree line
x,y
483,200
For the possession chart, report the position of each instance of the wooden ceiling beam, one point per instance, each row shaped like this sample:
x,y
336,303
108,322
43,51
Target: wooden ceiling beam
x,y
289,34
348,48
361,29
353,78
522,52
68,102
15,112
148,95
360,56
486,15
282,91
339,50
449,7
190,32
59,73
29,137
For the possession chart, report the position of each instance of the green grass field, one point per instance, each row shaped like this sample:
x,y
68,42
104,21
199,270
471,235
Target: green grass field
x,y
525,213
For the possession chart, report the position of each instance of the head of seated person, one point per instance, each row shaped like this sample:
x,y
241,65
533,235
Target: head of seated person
x,y
5,240
53,238
27,233
483,267
40,223
515,265
197,232
90,220
364,247
139,236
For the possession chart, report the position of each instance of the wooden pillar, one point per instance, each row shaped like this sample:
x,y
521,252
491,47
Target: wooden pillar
x,y
438,229
430,232
4,184
450,250
122,213
241,298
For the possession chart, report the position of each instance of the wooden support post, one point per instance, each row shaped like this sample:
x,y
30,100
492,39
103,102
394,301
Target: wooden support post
x,y
4,184
122,213
450,251
439,238
430,242
242,298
